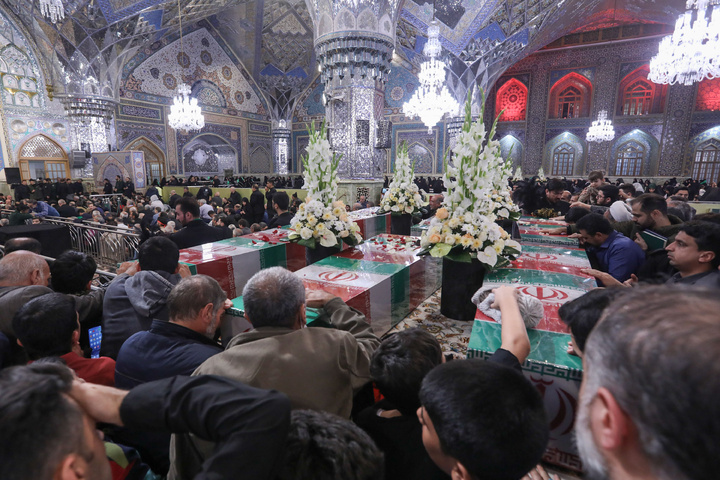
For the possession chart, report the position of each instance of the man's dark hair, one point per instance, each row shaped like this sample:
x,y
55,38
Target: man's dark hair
x,y
321,446
40,425
707,237
23,243
71,271
610,191
681,187
582,314
651,201
282,200
676,413
596,175
628,188
23,208
242,223
554,185
575,214
45,325
708,217
189,205
158,254
487,416
594,223
401,362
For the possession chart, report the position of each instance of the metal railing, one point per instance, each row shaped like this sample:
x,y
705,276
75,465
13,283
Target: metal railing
x,y
108,245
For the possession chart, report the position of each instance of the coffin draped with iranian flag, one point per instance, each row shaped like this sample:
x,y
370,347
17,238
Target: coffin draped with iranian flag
x,y
553,275
382,277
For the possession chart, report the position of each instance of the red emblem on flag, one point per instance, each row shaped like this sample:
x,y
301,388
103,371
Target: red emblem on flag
x,y
338,276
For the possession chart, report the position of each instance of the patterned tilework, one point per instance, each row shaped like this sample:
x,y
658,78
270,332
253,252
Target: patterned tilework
x,y
226,133
708,95
606,65
677,126
127,131
400,87
210,71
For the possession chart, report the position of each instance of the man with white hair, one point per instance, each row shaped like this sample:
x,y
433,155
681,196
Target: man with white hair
x,y
649,398
320,368
317,368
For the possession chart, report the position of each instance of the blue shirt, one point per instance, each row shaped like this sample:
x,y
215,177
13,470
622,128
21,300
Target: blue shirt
x,y
619,256
43,210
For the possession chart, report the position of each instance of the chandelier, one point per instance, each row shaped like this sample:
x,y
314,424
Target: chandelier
x,y
52,9
601,129
690,53
431,100
185,113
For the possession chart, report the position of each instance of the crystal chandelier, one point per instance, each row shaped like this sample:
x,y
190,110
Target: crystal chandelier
x,y
601,129
432,99
52,9
185,113
690,53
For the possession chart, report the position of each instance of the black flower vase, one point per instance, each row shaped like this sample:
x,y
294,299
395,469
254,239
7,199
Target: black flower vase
x,y
460,281
400,224
316,254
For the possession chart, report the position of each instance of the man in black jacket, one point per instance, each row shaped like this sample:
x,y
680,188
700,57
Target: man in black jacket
x,y
48,422
174,197
204,192
257,204
66,210
195,231
281,201
269,192
234,197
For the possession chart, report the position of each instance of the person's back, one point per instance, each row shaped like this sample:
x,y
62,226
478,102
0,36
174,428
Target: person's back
x,y
133,300
177,346
321,368
398,368
48,326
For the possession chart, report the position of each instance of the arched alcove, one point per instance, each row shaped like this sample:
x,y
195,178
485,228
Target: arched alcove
x,y
512,98
570,97
565,155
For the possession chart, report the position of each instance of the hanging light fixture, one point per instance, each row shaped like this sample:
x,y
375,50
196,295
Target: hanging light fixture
x,y
432,99
185,113
690,53
601,129
53,9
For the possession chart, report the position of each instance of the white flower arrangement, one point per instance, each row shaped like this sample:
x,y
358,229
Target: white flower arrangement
x,y
321,218
518,174
478,194
402,196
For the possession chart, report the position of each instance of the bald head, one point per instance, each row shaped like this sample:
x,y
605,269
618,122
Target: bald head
x,y
22,243
23,268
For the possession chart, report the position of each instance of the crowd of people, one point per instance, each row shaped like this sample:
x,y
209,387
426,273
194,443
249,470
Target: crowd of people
x,y
632,234
329,399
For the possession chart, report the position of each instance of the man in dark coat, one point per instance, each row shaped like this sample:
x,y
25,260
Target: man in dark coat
x,y
269,192
174,197
205,193
257,204
195,231
129,188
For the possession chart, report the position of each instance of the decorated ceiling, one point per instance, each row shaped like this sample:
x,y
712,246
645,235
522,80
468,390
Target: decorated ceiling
x,y
273,39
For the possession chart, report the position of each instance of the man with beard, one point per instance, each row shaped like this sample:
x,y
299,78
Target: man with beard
x,y
649,398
